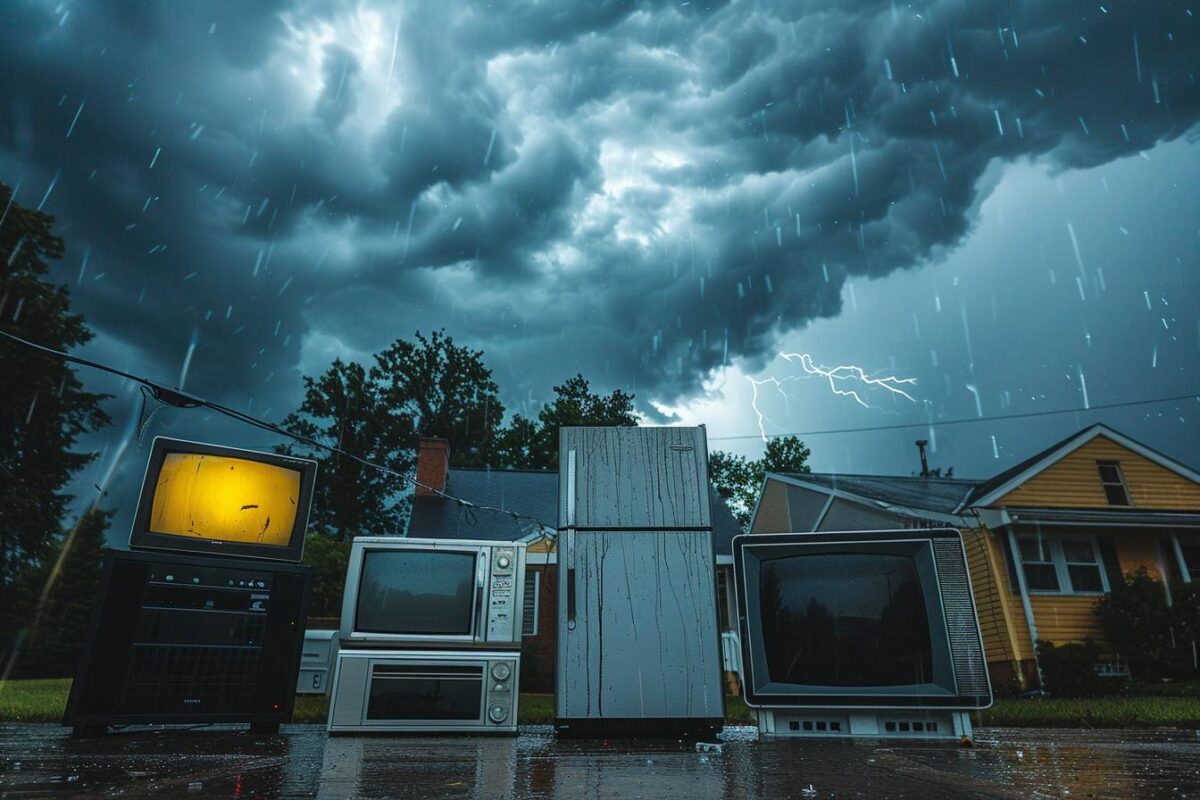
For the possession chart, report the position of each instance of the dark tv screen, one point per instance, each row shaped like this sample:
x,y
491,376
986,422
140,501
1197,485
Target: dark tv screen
x,y
845,619
416,592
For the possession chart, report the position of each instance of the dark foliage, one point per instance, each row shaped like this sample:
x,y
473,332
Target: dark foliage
x,y
328,559
1069,670
1151,636
58,622
738,479
43,408
533,444
426,387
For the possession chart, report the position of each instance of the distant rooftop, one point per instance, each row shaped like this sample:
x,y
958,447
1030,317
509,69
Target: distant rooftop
x,y
931,494
530,493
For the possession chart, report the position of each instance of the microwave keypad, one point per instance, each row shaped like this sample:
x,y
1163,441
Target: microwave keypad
x,y
500,614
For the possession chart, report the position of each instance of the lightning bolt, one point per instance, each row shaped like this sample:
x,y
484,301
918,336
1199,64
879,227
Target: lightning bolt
x,y
833,375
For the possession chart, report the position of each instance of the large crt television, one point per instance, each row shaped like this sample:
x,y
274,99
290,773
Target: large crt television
x,y
205,498
433,592
857,625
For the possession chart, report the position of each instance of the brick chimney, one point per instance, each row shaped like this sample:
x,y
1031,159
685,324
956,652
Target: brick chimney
x,y
433,459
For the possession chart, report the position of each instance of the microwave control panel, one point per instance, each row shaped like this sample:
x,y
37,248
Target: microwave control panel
x,y
502,617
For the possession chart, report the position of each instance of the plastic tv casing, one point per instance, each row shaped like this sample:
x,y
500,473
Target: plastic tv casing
x,y
938,709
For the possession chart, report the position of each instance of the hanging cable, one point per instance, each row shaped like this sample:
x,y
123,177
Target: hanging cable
x,y
176,398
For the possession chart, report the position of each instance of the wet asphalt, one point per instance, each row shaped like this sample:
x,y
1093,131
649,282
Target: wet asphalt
x,y
43,761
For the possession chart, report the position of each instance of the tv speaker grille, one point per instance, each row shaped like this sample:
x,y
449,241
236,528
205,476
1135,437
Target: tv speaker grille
x,y
970,666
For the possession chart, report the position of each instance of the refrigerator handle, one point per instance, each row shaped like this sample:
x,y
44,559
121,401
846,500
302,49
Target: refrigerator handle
x,y
569,551
569,556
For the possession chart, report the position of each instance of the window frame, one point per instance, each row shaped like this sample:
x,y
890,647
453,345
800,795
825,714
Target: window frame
x,y
1054,545
1121,482
536,575
1190,540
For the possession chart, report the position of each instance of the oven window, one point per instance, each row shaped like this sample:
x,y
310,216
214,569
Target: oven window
x,y
425,692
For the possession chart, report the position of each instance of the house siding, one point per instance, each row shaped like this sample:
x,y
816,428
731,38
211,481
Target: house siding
x,y
1074,482
1001,617
773,515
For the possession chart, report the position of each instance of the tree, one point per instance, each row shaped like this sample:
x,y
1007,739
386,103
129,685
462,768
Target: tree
x,y
43,408
738,479
437,388
59,624
343,408
526,444
426,387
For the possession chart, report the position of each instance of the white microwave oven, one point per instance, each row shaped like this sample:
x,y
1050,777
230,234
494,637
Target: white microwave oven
x,y
433,593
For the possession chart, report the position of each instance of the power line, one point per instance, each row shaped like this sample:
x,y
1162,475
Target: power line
x,y
180,399
962,420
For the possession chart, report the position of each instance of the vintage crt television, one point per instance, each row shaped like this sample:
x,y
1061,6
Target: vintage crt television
x,y
863,633
433,593
185,639
204,498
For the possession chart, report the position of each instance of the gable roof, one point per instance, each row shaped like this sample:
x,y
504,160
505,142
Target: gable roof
x,y
996,487
530,493
957,496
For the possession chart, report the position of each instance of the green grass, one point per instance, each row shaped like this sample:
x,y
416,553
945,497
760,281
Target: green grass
x,y
1095,712
43,701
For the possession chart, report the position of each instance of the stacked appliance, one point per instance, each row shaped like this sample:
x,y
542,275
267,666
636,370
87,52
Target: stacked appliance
x,y
430,637
202,621
638,648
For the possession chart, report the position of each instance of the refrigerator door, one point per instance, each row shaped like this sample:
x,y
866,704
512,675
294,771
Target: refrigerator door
x,y
638,642
633,478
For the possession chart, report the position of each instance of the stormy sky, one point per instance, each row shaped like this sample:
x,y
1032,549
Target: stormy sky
x,y
997,200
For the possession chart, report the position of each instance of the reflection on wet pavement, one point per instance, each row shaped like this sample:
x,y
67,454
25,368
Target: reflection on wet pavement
x,y
42,761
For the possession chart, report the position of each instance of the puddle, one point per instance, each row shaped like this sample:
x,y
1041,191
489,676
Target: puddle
x,y
42,761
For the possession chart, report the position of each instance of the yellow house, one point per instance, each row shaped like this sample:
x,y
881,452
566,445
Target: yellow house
x,y
1044,538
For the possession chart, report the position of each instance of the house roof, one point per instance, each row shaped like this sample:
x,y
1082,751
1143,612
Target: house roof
x,y
530,493
956,496
994,488
930,494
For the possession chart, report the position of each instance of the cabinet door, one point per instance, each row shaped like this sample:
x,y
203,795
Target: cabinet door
x,y
639,638
633,478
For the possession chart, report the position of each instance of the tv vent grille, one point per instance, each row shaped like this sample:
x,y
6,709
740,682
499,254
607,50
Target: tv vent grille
x,y
970,666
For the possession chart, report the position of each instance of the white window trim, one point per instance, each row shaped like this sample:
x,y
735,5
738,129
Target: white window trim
x,y
1059,560
536,575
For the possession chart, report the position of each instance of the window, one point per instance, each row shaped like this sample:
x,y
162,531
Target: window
x,y
1038,562
1189,551
533,585
1113,481
1066,565
1083,565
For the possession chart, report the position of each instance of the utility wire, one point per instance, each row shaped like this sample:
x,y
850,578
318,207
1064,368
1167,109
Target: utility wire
x,y
180,399
962,420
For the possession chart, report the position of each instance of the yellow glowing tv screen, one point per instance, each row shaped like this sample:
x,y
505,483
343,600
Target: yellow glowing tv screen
x,y
216,497
219,499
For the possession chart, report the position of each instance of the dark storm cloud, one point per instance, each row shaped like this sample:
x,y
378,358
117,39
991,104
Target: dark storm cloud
x,y
673,184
